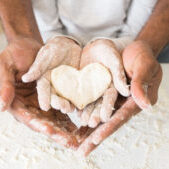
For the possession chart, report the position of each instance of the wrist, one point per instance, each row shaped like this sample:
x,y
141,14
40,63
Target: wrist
x,y
67,37
137,49
120,42
141,46
20,40
18,19
13,32
155,31
63,38
150,44
105,41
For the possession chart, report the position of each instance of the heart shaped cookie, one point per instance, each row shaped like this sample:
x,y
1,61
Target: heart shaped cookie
x,y
81,87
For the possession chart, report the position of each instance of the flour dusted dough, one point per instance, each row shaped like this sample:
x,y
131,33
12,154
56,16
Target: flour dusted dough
x,y
81,87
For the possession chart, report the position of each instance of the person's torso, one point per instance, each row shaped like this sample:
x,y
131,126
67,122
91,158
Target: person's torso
x,y
92,17
87,19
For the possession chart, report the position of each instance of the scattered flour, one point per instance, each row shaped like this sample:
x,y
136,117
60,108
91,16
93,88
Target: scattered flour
x,y
142,143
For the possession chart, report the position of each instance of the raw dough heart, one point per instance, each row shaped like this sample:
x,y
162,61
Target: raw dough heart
x,y
81,87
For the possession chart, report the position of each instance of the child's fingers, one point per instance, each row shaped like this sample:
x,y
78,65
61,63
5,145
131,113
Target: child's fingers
x,y
86,114
103,131
47,56
109,99
61,104
44,93
95,115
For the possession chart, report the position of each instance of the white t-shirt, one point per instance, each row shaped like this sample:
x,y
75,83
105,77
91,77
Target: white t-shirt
x,y
88,19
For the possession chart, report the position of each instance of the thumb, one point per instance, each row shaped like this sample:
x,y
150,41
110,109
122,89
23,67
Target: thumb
x,y
139,86
7,90
141,66
39,66
139,92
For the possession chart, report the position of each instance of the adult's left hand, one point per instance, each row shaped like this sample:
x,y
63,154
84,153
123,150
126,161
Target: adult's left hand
x,y
145,74
56,125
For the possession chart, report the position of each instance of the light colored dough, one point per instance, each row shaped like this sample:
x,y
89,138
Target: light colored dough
x,y
81,87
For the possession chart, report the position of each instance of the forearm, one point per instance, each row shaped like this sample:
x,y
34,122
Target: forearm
x,y
18,19
156,30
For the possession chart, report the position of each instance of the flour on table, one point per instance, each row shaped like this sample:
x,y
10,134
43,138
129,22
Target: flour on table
x,y
142,143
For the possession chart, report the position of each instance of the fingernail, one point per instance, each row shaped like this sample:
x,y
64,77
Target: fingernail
x,y
148,107
95,141
92,123
125,92
104,118
24,78
113,109
28,77
75,119
143,103
147,103
2,104
84,120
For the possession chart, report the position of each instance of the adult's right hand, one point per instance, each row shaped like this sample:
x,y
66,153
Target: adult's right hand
x,y
15,60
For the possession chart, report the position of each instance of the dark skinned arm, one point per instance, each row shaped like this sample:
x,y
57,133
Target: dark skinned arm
x,y
156,30
18,19
24,41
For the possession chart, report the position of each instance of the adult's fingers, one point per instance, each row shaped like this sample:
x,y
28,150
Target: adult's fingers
x,y
42,124
109,99
7,90
128,109
86,114
95,115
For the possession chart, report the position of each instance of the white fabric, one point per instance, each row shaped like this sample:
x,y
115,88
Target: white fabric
x,y
87,19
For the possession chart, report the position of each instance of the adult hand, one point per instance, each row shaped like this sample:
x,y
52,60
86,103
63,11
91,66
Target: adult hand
x,y
57,51
21,99
142,69
15,60
104,52
54,124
